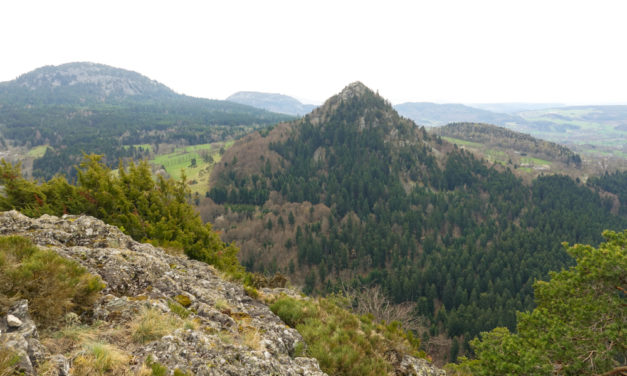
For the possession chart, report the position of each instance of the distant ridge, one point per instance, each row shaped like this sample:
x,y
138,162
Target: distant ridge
x,y
272,102
514,107
433,114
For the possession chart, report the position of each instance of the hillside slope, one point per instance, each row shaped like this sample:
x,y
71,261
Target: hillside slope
x,y
158,313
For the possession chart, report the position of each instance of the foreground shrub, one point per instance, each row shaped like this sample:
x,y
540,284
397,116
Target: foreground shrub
x,y
148,208
53,285
578,326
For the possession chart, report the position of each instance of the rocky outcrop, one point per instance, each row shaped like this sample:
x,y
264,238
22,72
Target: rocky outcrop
x,y
224,331
227,332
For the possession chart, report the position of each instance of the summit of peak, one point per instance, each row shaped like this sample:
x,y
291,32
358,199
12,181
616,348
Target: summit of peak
x,y
355,89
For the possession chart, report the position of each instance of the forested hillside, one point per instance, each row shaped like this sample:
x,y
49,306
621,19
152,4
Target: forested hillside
x,y
92,108
355,195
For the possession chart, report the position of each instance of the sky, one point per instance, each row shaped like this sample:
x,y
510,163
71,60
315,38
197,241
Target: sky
x,y
570,52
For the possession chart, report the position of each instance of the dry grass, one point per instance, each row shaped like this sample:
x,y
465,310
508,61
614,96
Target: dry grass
x,y
153,324
101,359
70,338
251,337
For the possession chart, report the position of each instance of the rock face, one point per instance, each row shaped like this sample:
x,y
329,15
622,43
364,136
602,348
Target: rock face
x,y
227,332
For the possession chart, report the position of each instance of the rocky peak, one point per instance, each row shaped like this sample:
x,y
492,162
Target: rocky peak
x,y
355,89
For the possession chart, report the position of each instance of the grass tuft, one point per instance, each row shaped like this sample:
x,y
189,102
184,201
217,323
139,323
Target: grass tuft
x,y
100,359
153,324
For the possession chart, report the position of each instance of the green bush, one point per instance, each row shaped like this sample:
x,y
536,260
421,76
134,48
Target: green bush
x,y
52,284
148,208
293,311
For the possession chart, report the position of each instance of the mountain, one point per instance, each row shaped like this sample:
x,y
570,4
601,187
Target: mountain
x,y
57,113
279,103
433,115
74,83
354,195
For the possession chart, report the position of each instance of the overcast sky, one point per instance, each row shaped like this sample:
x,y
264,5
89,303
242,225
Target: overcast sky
x,y
440,51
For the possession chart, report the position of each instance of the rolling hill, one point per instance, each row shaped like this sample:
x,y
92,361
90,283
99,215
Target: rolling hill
x,y
526,155
596,130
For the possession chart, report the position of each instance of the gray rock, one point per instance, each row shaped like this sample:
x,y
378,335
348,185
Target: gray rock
x,y
411,366
13,321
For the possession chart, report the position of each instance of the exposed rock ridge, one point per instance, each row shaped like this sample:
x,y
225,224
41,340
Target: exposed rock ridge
x,y
235,335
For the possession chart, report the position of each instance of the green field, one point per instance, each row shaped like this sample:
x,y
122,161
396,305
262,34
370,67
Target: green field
x,y
197,176
37,151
